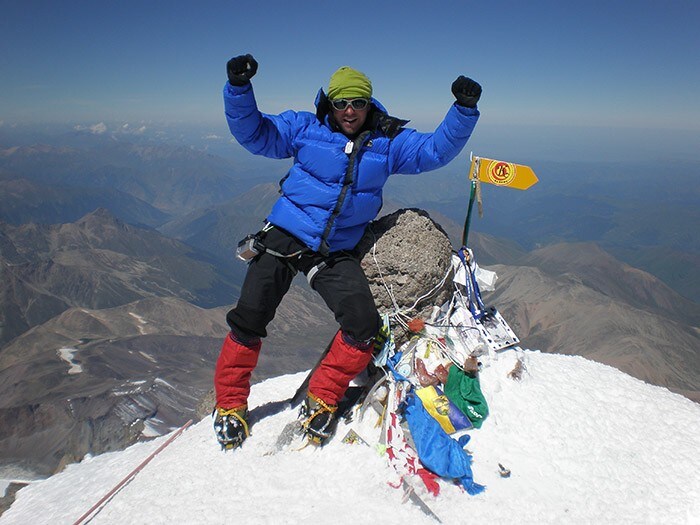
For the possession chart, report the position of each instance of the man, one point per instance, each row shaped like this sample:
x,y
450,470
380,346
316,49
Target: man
x,y
343,156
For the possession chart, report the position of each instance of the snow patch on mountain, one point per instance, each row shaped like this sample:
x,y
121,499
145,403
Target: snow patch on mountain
x,y
68,354
142,322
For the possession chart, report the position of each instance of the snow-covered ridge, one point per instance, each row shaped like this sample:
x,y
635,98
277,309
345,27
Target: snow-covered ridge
x,y
585,444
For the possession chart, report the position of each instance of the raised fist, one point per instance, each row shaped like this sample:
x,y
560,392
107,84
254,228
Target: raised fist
x,y
241,69
466,91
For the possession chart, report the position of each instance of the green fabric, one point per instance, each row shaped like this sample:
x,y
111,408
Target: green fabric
x,y
347,82
464,391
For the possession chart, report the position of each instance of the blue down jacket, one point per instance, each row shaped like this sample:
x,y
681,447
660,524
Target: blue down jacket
x,y
334,187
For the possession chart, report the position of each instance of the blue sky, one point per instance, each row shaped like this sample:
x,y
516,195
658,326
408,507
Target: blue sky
x,y
559,77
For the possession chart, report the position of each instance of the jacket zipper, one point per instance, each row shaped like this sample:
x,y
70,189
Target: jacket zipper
x,y
356,146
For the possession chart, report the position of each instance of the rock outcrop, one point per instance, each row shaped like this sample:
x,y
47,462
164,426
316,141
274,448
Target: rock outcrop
x,y
407,259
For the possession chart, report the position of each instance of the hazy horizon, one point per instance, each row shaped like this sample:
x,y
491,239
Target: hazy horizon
x,y
561,81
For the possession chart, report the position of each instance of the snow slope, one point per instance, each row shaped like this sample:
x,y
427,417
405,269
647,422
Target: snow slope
x,y
585,444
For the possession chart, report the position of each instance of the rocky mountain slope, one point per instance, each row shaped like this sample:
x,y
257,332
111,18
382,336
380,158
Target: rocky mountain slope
x,y
25,201
217,229
603,273
97,262
550,310
101,379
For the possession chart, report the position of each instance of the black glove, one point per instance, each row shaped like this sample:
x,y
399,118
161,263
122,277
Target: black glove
x,y
466,91
241,69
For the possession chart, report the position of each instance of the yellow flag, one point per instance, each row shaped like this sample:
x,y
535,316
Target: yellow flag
x,y
501,173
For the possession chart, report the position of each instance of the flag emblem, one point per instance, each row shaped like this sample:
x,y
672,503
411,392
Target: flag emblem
x,y
501,173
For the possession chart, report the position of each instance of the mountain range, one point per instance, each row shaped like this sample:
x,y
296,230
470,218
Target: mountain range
x,y
105,340
117,265
173,179
639,212
604,321
98,262
106,377
642,213
101,379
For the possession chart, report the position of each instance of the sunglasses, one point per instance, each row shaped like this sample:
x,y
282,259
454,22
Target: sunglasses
x,y
357,103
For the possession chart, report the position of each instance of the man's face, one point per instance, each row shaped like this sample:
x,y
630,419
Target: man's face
x,y
350,119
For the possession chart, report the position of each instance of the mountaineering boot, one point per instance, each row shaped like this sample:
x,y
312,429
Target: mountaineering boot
x,y
231,426
317,419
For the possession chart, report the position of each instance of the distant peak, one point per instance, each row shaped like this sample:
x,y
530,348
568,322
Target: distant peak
x,y
100,216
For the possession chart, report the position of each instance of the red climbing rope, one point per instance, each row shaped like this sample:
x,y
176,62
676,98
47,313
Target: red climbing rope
x,y
133,473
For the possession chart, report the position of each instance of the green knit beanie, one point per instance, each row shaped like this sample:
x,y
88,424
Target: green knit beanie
x,y
347,82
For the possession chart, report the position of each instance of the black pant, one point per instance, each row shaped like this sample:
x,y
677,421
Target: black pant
x,y
341,283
